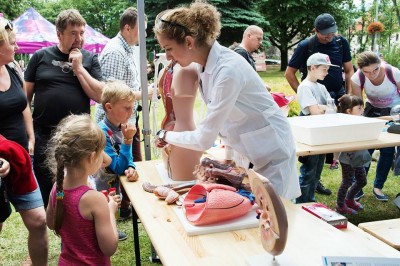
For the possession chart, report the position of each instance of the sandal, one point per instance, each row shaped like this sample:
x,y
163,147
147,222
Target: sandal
x,y
334,165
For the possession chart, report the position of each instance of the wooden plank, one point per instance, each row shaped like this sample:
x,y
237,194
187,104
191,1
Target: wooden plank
x,y
386,230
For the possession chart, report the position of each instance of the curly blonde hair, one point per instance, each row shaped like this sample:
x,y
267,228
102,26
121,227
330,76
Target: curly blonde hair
x,y
199,20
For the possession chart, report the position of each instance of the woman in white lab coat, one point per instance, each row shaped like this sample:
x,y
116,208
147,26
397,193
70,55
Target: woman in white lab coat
x,y
239,108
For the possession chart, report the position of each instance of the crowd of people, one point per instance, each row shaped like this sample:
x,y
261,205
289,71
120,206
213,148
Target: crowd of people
x,y
48,157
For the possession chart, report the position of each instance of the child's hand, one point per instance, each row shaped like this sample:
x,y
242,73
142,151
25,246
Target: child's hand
x,y
128,131
116,198
4,167
112,204
131,174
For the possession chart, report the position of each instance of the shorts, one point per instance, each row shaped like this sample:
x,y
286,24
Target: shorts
x,y
28,201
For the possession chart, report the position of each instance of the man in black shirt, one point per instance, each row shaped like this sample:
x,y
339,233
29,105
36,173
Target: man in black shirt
x,y
252,40
63,79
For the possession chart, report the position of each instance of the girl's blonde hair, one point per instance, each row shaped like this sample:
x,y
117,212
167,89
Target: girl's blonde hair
x,y
75,138
5,30
199,20
115,91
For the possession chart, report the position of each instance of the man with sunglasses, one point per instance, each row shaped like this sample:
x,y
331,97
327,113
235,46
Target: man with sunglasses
x,y
62,79
324,41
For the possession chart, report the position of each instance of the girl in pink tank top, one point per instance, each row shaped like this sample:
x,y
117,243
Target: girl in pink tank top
x,y
81,216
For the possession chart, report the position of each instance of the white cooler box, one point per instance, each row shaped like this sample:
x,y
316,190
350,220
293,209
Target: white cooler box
x,y
335,128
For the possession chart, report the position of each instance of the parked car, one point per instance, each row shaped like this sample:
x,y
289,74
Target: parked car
x,y
272,62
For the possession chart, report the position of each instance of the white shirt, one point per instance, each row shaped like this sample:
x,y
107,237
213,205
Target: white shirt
x,y
246,117
381,96
311,93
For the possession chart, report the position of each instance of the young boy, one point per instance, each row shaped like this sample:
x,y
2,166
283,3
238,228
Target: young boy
x,y
118,102
313,98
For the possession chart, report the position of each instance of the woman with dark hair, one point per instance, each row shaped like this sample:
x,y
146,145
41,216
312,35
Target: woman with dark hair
x,y
381,83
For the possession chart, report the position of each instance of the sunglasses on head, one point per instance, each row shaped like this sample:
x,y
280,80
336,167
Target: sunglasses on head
x,y
173,24
8,26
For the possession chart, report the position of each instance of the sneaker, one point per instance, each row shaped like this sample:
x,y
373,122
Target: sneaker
x,y
380,197
345,210
122,236
334,165
125,214
359,195
323,190
354,205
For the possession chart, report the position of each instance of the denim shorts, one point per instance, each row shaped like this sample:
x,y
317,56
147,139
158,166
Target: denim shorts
x,y
28,201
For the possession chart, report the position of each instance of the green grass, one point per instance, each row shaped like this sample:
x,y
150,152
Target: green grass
x,y
13,247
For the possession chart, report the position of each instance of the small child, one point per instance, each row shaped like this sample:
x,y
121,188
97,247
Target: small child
x,y
353,163
313,98
118,101
81,216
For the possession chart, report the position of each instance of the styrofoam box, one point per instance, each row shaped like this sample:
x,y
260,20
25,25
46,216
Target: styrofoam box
x,y
335,128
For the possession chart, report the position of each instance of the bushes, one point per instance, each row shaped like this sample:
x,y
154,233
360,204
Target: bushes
x,y
392,55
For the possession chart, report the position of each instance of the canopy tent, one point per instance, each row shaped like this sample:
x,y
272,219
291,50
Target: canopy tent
x,y
94,40
35,32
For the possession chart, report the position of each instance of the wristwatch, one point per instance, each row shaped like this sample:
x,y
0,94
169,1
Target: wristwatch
x,y
161,135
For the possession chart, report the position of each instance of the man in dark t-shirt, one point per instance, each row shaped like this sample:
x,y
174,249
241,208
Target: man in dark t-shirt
x,y
63,78
327,42
251,41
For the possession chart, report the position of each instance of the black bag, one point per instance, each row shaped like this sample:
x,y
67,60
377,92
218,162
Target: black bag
x,y
5,207
371,111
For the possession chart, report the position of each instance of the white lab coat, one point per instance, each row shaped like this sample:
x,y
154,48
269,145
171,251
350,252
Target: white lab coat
x,y
244,114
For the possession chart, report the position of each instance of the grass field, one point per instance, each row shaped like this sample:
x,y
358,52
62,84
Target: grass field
x,y
13,237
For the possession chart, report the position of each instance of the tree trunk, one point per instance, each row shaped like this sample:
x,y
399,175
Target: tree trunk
x,y
284,57
396,8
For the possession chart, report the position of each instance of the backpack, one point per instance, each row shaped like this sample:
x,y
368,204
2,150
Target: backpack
x,y
310,51
389,74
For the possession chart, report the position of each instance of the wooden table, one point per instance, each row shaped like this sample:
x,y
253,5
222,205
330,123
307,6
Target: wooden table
x,y
309,238
385,140
386,230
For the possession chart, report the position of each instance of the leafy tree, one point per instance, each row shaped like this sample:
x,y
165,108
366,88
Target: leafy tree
x,y
291,21
236,15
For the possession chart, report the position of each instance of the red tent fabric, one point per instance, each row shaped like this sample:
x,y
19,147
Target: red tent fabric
x,y
35,32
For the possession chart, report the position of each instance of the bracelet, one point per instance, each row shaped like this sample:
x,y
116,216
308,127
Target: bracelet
x,y
128,140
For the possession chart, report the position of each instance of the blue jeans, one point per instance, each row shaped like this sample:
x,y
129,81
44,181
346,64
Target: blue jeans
x,y
310,174
383,167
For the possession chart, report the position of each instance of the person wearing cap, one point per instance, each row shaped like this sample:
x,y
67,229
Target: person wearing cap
x,y
324,41
313,98
337,48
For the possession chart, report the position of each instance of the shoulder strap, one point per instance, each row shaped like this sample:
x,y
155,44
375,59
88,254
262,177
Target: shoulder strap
x,y
311,41
338,40
362,79
17,70
389,74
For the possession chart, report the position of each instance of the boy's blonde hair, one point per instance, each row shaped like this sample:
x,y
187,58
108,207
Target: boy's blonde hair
x,y
115,91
